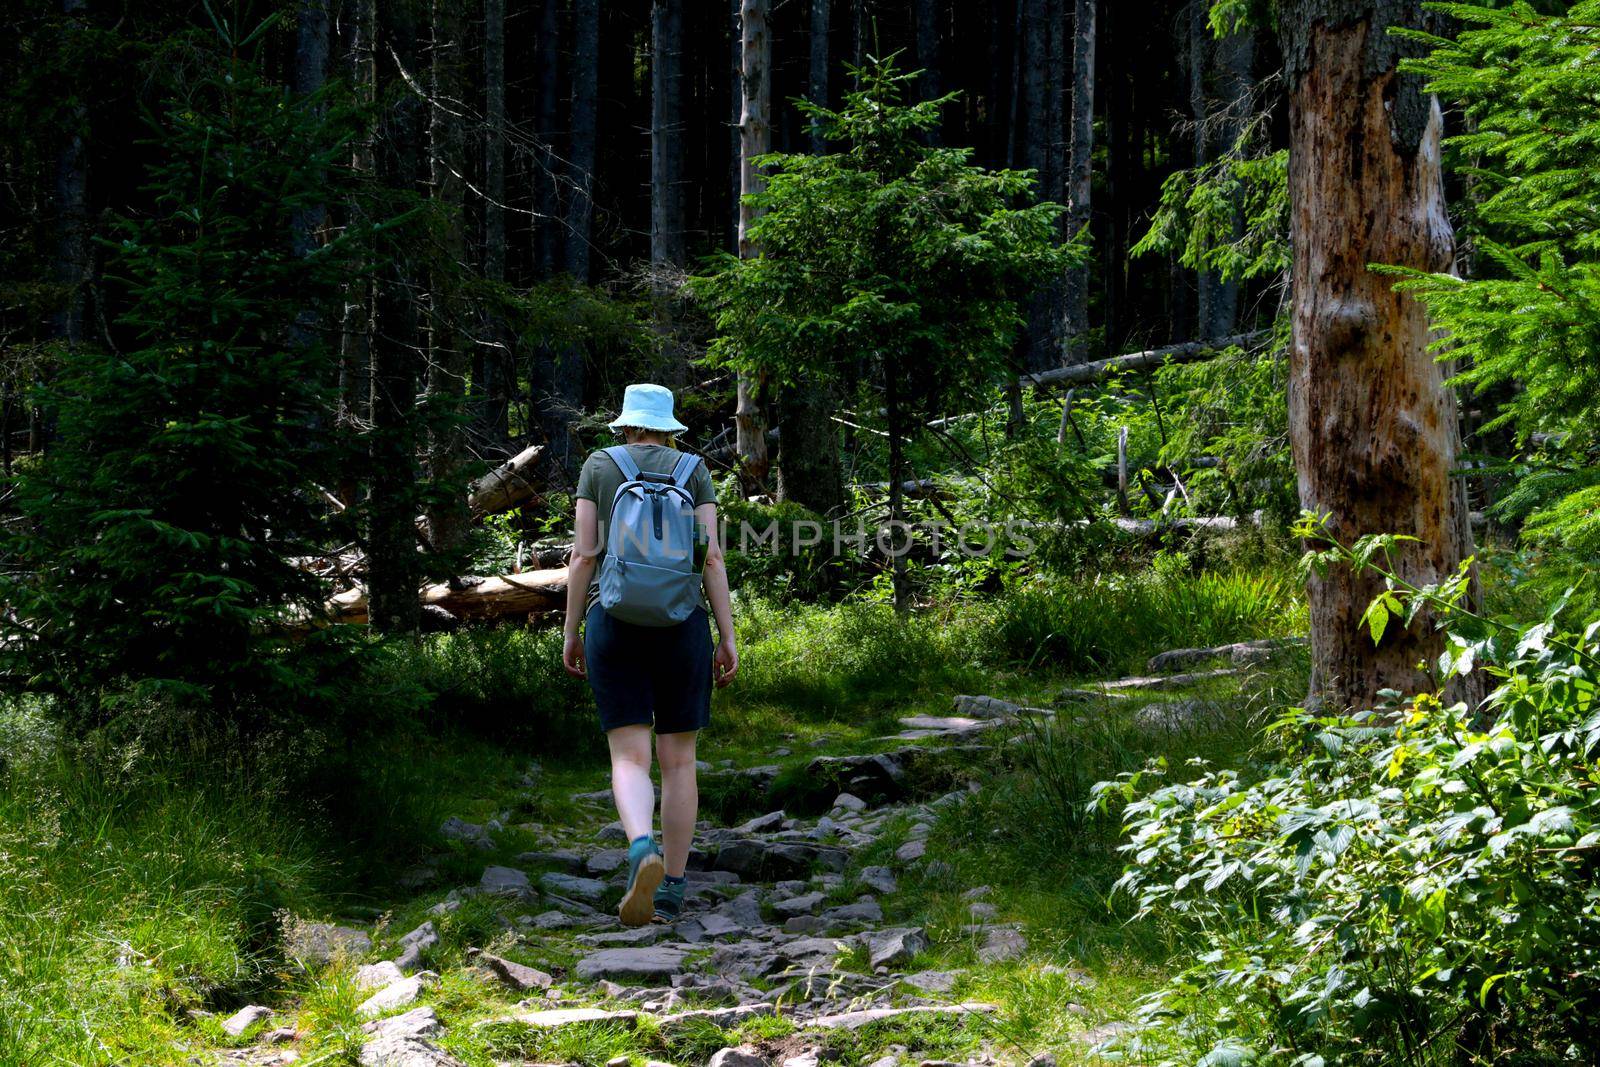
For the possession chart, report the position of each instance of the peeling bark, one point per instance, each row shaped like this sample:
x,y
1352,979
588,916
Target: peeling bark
x,y
1372,423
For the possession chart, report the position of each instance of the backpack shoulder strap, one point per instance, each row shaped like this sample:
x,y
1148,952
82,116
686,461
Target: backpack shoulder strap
x,y
685,467
619,456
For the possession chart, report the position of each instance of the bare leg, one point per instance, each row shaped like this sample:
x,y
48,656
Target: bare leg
x,y
630,779
680,798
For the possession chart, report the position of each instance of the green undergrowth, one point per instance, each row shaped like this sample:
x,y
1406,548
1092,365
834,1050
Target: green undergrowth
x,y
142,892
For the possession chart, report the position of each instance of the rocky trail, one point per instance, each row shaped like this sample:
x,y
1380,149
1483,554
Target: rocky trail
x,y
784,920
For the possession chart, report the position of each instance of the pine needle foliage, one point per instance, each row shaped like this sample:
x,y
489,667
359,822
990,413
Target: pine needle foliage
x,y
1525,329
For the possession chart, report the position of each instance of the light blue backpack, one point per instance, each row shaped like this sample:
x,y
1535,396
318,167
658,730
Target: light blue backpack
x,y
648,576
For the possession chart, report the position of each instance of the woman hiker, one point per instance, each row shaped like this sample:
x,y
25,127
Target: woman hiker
x,y
651,672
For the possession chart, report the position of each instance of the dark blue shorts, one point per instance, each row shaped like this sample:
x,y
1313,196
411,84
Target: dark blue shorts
x,y
650,675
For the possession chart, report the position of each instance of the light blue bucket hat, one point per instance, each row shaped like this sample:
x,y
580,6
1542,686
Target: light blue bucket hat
x,y
649,407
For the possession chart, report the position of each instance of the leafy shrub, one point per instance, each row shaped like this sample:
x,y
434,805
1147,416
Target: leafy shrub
x,y
1413,886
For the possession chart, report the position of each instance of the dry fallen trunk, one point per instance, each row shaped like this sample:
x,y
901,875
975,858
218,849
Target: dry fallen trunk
x,y
502,596
507,486
1150,359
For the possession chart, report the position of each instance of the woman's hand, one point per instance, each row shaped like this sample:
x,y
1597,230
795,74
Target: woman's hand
x,y
572,656
725,664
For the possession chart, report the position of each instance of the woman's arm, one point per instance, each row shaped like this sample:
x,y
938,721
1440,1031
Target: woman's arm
x,y
580,572
715,580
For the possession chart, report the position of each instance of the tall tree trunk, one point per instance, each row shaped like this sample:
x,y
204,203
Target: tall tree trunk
x,y
585,105
750,423
925,24
547,228
1040,349
1219,116
448,358
73,262
310,74
1372,423
394,571
493,371
809,468
817,84
736,96
355,340
666,134
1075,301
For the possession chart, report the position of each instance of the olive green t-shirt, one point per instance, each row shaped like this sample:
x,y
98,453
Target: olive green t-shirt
x,y
600,479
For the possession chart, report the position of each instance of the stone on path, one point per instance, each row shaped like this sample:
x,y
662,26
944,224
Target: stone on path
x,y
736,1057
468,833
588,890
244,1019
762,824
911,851
569,858
405,1052
1174,716
518,976
319,944
982,707
894,946
607,861
809,1058
726,1018
1002,943
504,882
642,964
854,1020
880,879
378,975
848,802
804,904
418,1022
862,911
947,724
932,981
555,1018
414,944
395,995
1240,652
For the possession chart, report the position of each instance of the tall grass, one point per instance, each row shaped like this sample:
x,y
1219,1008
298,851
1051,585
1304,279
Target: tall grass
x,y
1110,623
131,890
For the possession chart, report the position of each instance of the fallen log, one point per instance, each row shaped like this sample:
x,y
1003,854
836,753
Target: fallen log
x,y
1239,652
507,486
1187,352
502,596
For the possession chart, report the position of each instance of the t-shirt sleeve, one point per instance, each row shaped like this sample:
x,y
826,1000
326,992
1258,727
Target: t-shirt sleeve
x,y
701,485
586,479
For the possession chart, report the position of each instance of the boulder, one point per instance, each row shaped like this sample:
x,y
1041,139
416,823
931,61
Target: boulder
x,y
414,944
570,859
894,946
588,890
984,707
243,1019
762,824
1175,716
518,976
556,1018
378,975
319,944
405,1052
468,833
418,1022
911,851
639,964
394,995
1002,943
862,911
855,1020
736,1057
504,882
805,904
848,802
879,879
932,981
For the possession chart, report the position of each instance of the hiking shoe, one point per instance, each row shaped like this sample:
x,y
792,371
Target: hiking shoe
x,y
645,872
669,899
